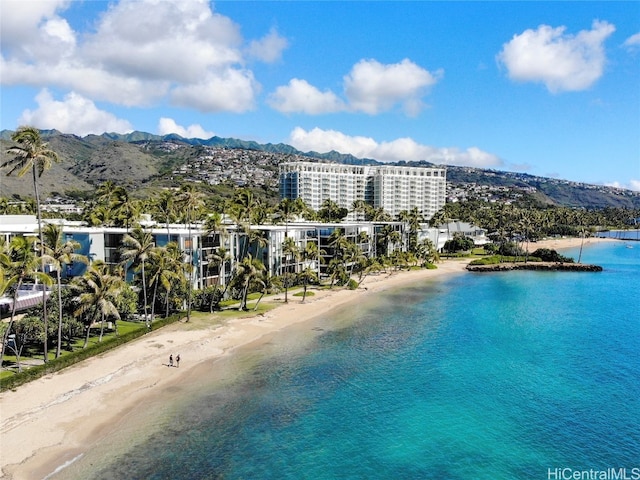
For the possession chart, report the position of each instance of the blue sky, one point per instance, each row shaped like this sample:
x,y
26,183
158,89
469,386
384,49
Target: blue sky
x,y
546,88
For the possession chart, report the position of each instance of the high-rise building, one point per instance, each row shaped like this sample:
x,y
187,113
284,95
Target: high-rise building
x,y
392,188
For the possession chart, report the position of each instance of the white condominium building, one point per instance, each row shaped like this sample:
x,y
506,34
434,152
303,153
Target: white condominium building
x,y
389,187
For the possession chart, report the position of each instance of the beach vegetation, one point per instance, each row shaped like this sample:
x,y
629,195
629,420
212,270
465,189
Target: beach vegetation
x,y
136,250
191,202
459,243
58,253
97,290
31,154
550,255
20,263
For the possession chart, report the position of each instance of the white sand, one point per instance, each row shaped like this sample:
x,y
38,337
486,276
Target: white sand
x,y
52,420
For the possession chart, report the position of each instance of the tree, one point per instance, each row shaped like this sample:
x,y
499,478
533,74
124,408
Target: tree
x,y
330,211
426,251
288,208
58,253
161,272
249,270
32,154
289,249
163,208
136,248
308,275
174,262
413,218
20,263
125,208
217,259
458,243
98,292
190,201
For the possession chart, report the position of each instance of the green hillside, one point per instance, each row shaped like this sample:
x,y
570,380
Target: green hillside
x,y
141,162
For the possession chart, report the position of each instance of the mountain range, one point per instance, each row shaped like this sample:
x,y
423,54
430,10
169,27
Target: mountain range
x,y
143,162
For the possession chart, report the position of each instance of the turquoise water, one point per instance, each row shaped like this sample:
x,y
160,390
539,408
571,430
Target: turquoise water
x,y
480,376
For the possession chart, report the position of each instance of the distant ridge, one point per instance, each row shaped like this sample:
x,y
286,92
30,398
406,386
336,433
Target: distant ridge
x,y
140,159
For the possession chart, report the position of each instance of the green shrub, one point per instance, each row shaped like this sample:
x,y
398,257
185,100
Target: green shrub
x,y
550,255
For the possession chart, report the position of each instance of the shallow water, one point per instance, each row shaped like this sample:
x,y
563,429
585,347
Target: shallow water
x,y
505,375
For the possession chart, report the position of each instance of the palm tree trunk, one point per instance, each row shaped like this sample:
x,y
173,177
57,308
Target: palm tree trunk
x,y
153,300
59,345
190,286
44,289
13,316
86,338
144,294
260,298
101,328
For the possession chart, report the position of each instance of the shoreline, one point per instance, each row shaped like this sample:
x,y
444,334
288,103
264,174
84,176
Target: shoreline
x,y
50,422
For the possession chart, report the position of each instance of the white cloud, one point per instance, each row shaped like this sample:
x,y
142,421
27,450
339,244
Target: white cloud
x,y
631,185
370,87
34,29
269,48
633,42
561,61
163,40
74,114
373,87
407,149
300,96
231,91
168,125
323,141
139,52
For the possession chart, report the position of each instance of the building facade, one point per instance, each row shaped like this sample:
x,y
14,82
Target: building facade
x,y
198,245
392,188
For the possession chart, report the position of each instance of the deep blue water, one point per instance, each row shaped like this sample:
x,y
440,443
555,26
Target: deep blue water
x,y
480,376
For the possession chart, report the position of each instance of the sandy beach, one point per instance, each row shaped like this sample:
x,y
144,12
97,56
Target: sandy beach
x,y
54,419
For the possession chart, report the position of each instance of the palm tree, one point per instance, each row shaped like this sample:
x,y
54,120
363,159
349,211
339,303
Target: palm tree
x,y
215,227
126,209
98,215
161,272
249,270
190,201
289,248
218,259
174,260
20,263
98,292
58,253
164,208
426,251
33,154
307,276
270,284
136,248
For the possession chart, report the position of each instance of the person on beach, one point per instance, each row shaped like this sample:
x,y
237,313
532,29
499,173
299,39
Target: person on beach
x,y
171,360
177,360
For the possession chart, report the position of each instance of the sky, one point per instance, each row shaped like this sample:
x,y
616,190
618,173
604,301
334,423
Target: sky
x,y
545,88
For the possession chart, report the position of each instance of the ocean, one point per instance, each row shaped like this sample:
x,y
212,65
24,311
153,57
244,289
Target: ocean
x,y
511,375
